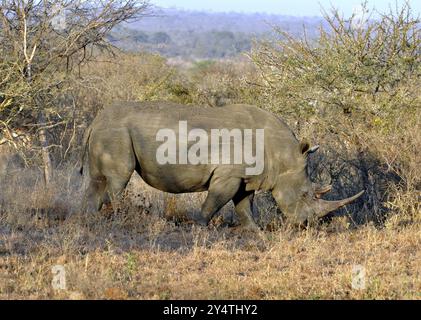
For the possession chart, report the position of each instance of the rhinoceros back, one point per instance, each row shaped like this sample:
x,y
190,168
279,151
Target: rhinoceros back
x,y
142,121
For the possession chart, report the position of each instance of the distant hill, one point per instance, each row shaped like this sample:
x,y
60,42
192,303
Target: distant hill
x,y
206,35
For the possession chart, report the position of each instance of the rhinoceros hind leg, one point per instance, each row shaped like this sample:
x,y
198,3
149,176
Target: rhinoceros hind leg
x,y
243,207
221,190
94,196
115,188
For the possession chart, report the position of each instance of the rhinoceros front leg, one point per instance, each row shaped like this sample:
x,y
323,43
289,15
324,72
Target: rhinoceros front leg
x,y
243,201
221,190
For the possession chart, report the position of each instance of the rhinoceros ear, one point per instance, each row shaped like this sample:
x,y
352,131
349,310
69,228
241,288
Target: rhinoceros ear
x,y
305,147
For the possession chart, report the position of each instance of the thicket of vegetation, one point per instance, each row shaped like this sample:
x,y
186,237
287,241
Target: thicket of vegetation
x,y
356,90
42,43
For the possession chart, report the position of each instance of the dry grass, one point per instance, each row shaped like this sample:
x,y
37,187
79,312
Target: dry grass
x,y
149,251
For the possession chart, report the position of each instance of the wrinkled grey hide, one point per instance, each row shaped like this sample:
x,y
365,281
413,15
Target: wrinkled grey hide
x,y
122,139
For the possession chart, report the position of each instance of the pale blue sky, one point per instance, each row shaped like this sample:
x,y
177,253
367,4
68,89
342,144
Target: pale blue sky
x,y
285,7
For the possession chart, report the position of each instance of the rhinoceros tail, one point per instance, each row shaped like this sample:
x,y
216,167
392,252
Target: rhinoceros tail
x,y
85,143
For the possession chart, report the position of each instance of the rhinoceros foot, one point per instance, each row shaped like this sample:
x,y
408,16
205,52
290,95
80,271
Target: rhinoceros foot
x,y
198,219
252,227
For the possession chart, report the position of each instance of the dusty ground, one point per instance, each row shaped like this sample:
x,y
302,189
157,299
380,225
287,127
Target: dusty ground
x,y
149,251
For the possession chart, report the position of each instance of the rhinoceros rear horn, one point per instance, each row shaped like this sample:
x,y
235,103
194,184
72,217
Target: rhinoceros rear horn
x,y
321,190
324,206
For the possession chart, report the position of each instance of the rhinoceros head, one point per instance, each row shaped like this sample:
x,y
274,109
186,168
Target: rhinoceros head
x,y
299,198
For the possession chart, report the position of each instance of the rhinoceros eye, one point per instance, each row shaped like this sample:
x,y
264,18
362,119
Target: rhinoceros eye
x,y
306,194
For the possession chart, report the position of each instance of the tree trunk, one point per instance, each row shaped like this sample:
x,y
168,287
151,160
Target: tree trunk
x,y
42,136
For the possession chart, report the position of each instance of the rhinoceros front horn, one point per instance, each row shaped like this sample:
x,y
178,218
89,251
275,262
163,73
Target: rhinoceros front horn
x,y
324,206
